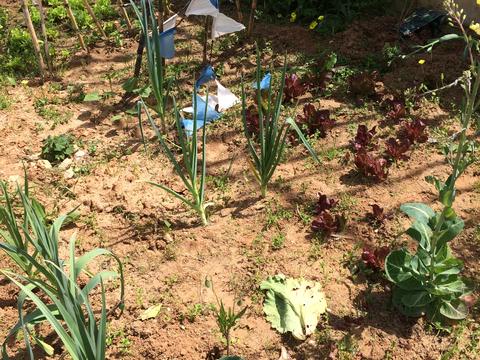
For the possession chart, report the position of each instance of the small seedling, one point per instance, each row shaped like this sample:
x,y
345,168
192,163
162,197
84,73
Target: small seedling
x,y
57,148
278,241
227,319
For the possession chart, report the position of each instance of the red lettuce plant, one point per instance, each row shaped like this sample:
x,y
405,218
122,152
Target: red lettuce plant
x,y
378,215
364,138
414,131
396,149
294,88
374,259
315,120
325,222
397,110
371,166
324,203
252,120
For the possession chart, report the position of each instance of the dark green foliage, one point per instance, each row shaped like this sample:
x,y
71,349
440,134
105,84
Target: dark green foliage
x,y
16,49
336,13
57,148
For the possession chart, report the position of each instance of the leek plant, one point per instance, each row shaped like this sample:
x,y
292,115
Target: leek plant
x,y
267,147
187,168
21,236
33,245
150,30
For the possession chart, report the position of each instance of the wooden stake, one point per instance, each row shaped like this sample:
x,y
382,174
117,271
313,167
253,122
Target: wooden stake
x,y
95,19
33,35
161,19
252,17
161,15
239,10
205,41
74,25
125,15
43,27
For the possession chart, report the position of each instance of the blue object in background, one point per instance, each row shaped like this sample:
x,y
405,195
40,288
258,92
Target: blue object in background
x,y
265,83
206,75
214,3
167,43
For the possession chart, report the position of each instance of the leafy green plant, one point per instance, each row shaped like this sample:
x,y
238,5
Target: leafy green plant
x,y
293,305
267,147
16,52
429,282
34,246
187,168
57,148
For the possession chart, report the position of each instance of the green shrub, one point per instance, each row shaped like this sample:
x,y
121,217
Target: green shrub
x,y
16,51
104,10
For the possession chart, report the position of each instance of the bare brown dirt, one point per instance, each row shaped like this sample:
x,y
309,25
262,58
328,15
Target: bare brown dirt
x,y
167,254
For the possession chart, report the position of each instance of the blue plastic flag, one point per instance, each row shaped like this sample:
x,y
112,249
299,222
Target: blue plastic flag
x,y
206,75
265,83
167,43
211,115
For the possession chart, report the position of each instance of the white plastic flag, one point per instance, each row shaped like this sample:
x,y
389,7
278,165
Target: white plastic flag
x,y
225,98
170,23
222,25
201,7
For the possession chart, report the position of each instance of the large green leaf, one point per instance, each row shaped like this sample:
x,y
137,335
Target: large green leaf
x,y
395,266
420,262
452,285
455,309
450,230
418,211
422,233
416,298
293,305
411,311
449,266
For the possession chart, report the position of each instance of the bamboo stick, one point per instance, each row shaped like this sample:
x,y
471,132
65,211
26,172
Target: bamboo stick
x,y
125,15
75,25
252,17
33,35
239,10
95,19
43,27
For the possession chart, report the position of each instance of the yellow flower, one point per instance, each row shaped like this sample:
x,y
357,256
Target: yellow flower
x,y
293,16
478,2
421,61
475,27
313,24
321,17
